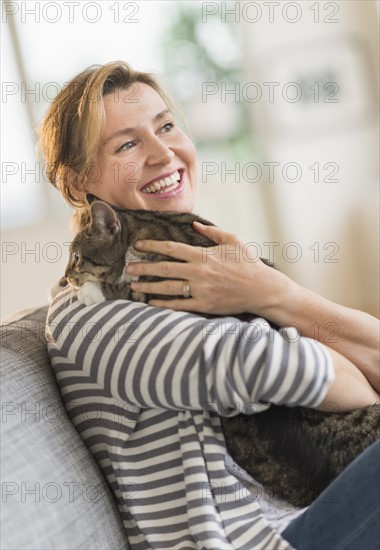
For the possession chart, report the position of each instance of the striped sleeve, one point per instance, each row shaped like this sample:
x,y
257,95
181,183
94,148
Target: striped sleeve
x,y
159,358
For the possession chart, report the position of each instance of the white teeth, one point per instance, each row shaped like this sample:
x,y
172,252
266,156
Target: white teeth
x,y
157,186
174,186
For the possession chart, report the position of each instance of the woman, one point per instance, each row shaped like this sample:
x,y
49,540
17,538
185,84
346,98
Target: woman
x,y
151,378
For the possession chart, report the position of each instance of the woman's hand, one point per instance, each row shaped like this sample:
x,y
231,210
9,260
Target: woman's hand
x,y
228,278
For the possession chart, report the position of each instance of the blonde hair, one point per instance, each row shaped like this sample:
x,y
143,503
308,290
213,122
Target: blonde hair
x,y
71,129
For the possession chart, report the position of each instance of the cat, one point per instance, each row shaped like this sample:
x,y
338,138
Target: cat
x,y
294,452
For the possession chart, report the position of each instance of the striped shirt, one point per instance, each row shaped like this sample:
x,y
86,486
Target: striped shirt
x,y
145,388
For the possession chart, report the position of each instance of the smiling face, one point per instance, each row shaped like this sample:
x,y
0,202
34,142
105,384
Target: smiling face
x,y
144,159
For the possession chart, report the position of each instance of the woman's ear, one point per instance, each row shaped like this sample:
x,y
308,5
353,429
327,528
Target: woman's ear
x,y
76,186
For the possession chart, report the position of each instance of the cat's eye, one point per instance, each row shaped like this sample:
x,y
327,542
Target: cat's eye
x,y
75,257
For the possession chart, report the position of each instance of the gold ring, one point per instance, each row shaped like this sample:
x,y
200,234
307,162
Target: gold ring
x,y
186,290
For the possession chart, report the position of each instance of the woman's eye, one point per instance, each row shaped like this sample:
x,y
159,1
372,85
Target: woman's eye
x,y
125,147
168,126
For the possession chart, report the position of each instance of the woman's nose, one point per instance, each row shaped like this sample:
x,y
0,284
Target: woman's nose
x,y
159,153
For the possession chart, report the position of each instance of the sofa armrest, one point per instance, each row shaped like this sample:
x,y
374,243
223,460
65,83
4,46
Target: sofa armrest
x,y
53,493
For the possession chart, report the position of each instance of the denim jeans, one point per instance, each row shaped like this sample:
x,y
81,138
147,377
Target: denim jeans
x,y
346,516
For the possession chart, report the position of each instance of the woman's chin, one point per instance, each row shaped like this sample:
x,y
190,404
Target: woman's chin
x,y
179,202
173,204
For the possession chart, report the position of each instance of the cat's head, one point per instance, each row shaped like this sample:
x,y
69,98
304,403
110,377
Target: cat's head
x,y
97,252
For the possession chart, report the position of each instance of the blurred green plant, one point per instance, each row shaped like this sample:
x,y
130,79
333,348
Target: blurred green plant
x,y
195,53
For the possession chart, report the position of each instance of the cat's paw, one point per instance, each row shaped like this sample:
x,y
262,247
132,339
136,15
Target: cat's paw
x,y
90,293
139,297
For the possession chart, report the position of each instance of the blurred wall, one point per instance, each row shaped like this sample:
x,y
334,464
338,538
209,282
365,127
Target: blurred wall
x,y
317,67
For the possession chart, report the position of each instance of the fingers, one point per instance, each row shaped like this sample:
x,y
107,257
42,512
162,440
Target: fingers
x,y
186,252
168,288
167,270
179,251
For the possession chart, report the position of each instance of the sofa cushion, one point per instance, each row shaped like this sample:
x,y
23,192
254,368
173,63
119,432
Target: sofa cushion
x,y
53,493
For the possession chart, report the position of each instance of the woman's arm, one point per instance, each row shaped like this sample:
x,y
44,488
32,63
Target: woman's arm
x,y
158,358
353,333
229,278
350,389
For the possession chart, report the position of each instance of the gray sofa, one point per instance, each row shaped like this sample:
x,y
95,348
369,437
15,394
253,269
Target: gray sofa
x,y
53,493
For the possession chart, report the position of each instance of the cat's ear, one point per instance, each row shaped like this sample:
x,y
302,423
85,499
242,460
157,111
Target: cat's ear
x,y
104,218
